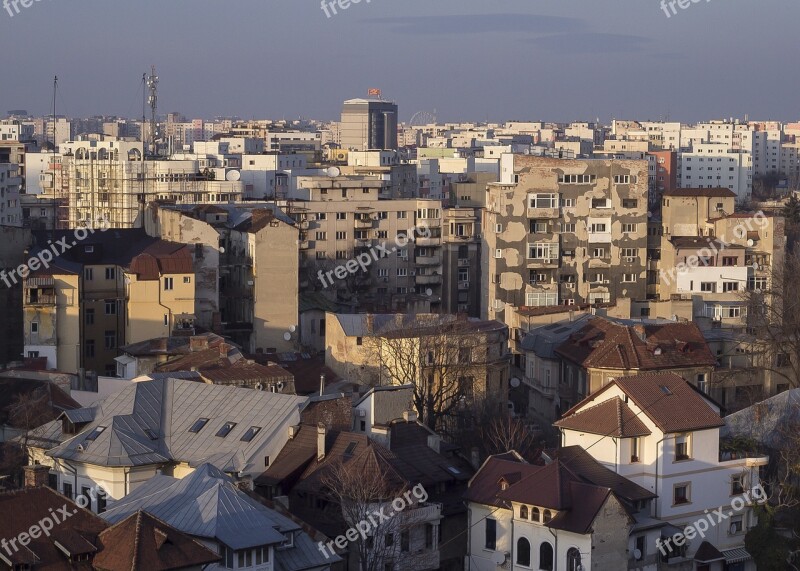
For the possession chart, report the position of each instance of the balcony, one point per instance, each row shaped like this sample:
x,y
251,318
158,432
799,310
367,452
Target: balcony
x,y
364,224
546,213
543,263
463,286
599,237
303,245
428,280
432,241
429,261
41,299
364,243
599,263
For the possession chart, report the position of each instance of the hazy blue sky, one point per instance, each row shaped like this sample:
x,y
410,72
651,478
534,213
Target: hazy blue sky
x,y
468,59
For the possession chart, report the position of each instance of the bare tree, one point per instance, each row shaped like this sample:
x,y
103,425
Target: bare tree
x,y
363,489
448,363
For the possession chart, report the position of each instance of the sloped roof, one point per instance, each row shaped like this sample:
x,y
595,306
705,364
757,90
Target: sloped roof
x,y
667,399
47,399
142,541
698,192
149,422
604,344
609,418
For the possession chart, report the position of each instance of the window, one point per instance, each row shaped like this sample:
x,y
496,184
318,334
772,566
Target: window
x,y
498,228
95,433
405,541
341,235
245,557
573,559
111,273
88,274
628,278
111,339
568,228
402,272
523,552
635,445
523,512
737,485
756,284
111,307
226,429
624,179
682,451
729,261
34,327
251,433
546,557
429,535
599,253
629,228
341,216
628,253
536,515
68,490
322,236
567,202
89,349
577,178
547,516
598,228
490,541
543,251
262,555
198,425
601,203
680,494
737,525
187,280
498,253
543,201
728,287
168,284
629,203
709,287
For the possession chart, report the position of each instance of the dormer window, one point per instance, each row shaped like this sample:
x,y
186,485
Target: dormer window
x,y
548,515
523,512
536,515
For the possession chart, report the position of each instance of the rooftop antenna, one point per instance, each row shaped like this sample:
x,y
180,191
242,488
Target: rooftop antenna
x,y
152,83
55,204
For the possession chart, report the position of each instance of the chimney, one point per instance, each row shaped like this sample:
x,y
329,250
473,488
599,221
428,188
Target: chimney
x,y
36,476
321,433
410,416
322,384
571,315
293,430
198,343
475,458
370,323
223,349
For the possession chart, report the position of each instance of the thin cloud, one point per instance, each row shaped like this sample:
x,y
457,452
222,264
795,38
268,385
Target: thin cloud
x,y
592,43
480,24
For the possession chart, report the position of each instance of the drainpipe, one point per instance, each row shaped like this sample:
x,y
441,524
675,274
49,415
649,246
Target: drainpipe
x,y
555,549
659,458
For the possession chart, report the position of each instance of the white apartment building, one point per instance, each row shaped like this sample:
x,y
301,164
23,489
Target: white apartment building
x,y
10,182
715,165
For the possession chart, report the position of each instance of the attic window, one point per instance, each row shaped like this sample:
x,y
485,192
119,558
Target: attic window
x,y
665,390
198,425
657,351
226,429
350,449
251,433
95,433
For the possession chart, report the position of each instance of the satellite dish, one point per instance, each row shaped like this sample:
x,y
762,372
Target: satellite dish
x,y
756,267
233,176
514,382
292,328
637,554
333,172
750,243
221,250
429,291
287,336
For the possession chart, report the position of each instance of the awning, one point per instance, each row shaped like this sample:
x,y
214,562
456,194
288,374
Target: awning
x,y
736,555
707,553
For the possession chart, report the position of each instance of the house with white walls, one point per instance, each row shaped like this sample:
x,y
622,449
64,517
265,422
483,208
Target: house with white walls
x,y
662,433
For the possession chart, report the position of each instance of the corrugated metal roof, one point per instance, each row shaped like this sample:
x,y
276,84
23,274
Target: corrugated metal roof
x,y
736,555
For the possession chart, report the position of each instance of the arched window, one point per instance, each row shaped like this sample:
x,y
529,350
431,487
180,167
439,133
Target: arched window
x,y
535,515
102,155
134,155
546,557
547,516
523,512
523,552
573,559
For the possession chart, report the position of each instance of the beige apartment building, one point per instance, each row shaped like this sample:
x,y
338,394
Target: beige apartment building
x,y
399,242
566,232
712,255
109,290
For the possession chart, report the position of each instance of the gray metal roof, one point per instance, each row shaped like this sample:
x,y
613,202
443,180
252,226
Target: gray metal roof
x,y
544,340
207,504
79,415
149,423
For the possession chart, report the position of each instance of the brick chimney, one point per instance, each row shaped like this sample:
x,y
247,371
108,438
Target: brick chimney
x,y
321,434
36,476
197,343
223,349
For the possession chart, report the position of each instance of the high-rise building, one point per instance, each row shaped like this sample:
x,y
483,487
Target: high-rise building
x,y
369,124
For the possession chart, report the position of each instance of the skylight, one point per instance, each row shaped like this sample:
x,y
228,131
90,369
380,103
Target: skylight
x,y
95,433
665,390
251,433
198,425
454,470
350,448
226,429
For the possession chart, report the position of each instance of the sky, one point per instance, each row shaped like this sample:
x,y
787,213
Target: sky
x,y
467,60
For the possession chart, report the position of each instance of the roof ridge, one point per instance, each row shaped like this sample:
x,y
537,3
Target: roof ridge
x,y
137,533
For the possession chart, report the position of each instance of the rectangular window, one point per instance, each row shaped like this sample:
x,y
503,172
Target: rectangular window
x,y
729,261
405,541
341,216
245,558
168,284
490,540
577,178
88,274
680,494
737,485
111,339
341,235
708,287
682,444
34,327
628,278
629,203
635,445
68,490
111,273
737,525
629,228
628,253
599,253
226,429
543,201
322,236
728,287
89,348
568,228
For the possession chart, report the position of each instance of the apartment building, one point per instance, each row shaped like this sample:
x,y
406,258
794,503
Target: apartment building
x,y
714,165
369,124
564,232
664,435
109,180
461,261
733,252
108,290
343,218
10,188
243,255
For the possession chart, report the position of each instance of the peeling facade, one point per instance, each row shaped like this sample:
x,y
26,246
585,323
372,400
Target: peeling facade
x,y
565,232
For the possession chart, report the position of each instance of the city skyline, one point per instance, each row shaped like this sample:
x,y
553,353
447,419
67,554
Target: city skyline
x,y
581,58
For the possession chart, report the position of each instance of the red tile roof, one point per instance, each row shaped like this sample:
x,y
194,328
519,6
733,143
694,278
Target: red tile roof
x,y
701,192
604,344
609,418
667,399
